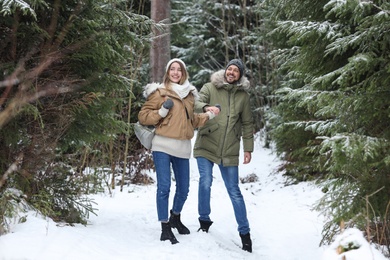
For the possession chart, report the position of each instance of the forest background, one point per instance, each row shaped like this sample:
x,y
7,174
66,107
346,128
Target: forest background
x,y
71,81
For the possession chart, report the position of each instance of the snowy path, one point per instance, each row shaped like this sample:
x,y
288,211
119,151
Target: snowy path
x,y
282,225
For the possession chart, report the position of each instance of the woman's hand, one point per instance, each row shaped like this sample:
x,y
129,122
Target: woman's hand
x,y
168,104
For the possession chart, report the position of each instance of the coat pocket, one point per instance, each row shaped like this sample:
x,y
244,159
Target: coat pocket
x,y
237,131
208,129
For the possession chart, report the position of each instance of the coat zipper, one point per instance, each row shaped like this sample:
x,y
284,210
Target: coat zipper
x,y
227,126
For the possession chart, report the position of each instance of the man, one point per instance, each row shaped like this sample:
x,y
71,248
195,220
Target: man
x,y
218,142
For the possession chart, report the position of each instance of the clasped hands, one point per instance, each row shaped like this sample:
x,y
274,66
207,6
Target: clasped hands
x,y
213,109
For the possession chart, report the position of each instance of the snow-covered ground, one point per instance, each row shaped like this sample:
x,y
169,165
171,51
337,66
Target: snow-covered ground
x,y
283,226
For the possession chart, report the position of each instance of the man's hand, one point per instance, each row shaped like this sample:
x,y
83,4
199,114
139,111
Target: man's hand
x,y
247,157
213,109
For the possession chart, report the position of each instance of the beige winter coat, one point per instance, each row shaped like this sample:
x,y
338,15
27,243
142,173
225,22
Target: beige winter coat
x,y
181,119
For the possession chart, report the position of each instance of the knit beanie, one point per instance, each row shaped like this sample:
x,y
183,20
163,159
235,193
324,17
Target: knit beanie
x,y
239,64
175,60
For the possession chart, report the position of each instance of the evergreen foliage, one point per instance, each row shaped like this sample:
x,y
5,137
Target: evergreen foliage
x,y
332,118
218,31
71,84
69,71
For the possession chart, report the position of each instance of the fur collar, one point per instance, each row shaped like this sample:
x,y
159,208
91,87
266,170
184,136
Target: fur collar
x,y
218,80
153,87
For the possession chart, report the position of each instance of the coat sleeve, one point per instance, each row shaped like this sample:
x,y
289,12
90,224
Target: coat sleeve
x,y
148,115
204,98
247,126
199,119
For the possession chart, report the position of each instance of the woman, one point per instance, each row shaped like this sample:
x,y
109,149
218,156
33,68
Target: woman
x,y
170,108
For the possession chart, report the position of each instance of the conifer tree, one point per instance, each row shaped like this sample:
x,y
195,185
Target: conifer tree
x,y
207,34
332,119
67,70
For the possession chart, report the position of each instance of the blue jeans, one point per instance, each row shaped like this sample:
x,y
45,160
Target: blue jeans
x,y
181,170
230,178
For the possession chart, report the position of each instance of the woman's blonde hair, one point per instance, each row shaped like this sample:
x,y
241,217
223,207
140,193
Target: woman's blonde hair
x,y
184,73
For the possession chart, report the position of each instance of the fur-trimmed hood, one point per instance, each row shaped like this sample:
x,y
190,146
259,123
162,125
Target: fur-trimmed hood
x,y
152,87
218,80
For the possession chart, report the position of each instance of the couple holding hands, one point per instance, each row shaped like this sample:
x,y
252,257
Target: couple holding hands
x,y
176,108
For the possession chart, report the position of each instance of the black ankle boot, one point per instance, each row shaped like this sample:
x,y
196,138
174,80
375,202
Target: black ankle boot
x,y
246,242
204,225
175,222
166,233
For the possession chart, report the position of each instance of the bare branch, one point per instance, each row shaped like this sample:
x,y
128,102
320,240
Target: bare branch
x,y
14,167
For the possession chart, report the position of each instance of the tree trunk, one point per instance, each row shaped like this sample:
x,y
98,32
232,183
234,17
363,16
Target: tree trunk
x,y
160,49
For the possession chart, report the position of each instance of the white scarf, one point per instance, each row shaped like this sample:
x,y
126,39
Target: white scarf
x,y
182,90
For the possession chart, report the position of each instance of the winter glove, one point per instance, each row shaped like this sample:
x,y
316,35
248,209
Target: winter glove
x,y
168,104
211,115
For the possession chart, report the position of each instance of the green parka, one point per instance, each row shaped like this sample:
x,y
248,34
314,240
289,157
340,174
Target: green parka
x,y
219,139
